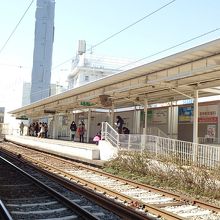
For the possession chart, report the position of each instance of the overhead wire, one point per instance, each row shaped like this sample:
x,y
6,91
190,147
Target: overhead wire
x,y
172,47
123,29
16,26
134,23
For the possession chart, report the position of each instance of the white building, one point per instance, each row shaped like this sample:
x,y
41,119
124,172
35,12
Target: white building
x,y
87,67
2,114
43,47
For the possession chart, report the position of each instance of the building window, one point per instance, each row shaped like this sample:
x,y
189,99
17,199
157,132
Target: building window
x,y
1,119
86,78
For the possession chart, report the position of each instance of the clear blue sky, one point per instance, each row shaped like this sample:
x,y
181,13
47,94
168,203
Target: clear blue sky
x,y
94,21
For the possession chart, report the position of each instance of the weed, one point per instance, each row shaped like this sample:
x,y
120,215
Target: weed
x,y
166,173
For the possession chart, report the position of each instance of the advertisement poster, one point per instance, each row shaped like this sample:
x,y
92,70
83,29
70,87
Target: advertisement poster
x,y
156,116
185,114
65,120
208,114
211,130
160,116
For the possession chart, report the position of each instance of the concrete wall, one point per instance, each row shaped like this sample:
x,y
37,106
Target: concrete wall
x,y
208,120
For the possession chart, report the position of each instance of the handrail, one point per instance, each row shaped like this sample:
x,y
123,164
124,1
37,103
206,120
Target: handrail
x,y
208,140
185,152
109,134
156,132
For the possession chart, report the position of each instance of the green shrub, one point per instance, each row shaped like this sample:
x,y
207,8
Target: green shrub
x,y
166,172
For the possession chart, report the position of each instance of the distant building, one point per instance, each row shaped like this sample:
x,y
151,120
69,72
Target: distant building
x,y
26,93
56,89
53,90
43,47
2,114
87,67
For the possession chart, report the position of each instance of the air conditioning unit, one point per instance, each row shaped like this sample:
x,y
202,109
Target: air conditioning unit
x,y
105,100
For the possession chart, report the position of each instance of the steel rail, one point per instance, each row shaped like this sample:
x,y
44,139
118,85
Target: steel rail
x,y
71,205
4,212
126,199
123,211
180,200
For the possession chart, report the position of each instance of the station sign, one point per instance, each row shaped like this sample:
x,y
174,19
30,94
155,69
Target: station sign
x,y
23,117
87,103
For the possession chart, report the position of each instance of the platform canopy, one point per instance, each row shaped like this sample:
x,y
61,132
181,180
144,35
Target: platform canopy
x,y
173,78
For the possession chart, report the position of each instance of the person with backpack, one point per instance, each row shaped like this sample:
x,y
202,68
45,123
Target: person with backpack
x,y
73,129
81,131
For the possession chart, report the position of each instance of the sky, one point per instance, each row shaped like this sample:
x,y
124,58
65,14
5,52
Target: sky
x,y
97,20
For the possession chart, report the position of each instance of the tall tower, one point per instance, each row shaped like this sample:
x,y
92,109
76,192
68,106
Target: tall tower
x,y
43,48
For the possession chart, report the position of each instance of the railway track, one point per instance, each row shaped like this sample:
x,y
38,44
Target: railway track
x,y
142,198
25,197
81,196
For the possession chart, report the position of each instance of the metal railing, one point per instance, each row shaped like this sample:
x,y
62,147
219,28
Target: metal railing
x,y
184,152
156,131
209,140
109,134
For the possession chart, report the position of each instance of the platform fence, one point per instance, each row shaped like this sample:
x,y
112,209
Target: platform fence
x,y
186,153
6,129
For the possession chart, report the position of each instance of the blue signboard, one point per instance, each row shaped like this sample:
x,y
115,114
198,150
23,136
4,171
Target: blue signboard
x,y
185,114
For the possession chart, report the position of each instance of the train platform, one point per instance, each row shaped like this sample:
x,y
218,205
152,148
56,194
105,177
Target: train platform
x,y
87,153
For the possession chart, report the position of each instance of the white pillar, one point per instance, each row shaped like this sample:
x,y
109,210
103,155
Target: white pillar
x,y
73,117
171,120
112,115
88,128
134,129
218,125
145,116
138,117
136,121
195,117
55,127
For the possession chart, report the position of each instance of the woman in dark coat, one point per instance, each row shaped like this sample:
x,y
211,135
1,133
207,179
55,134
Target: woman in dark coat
x,y
73,129
119,124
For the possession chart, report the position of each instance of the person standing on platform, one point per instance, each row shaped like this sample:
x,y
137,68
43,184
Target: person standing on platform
x,y
37,128
46,130
119,123
99,125
125,130
21,128
81,132
41,134
73,129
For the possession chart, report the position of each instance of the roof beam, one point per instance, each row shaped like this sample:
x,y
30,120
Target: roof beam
x,y
211,90
181,93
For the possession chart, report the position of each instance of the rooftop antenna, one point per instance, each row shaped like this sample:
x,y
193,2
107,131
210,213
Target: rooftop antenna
x,y
81,47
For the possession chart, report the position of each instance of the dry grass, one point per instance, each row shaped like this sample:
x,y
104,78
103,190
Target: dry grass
x,y
167,173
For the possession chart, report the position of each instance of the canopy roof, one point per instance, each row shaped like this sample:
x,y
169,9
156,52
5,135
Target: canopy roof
x,y
173,78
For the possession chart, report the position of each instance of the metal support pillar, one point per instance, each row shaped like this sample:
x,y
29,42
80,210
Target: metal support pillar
x,y
112,115
145,116
171,120
55,127
88,128
136,120
195,117
134,129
